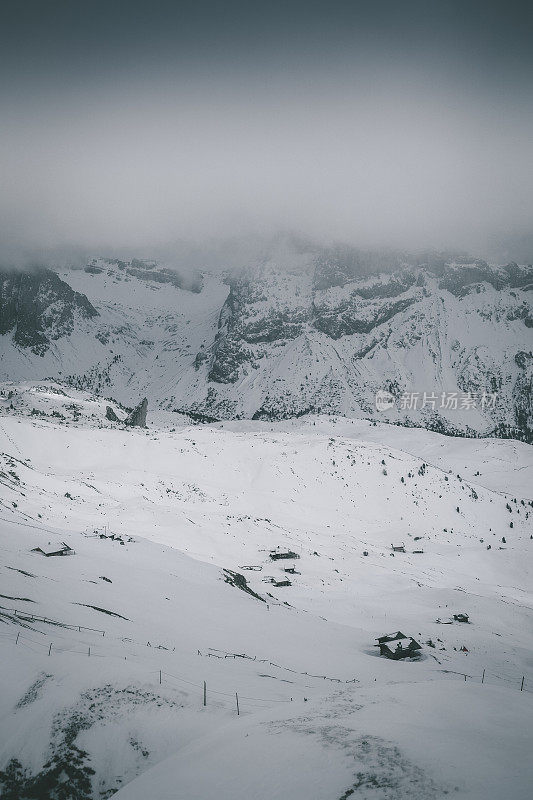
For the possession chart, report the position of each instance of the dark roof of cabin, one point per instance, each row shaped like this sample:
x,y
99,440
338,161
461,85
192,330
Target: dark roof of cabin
x,y
407,643
391,637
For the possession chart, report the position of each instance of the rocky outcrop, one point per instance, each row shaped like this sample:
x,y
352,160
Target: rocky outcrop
x,y
37,307
523,393
137,418
110,415
149,271
346,320
461,279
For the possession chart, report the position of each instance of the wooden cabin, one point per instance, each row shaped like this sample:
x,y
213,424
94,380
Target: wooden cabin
x,y
54,549
275,555
405,647
461,617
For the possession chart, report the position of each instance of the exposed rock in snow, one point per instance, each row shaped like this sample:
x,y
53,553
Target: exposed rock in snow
x,y
37,307
110,415
138,415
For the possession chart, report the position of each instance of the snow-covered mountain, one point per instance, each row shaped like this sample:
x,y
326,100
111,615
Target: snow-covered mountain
x,y
301,330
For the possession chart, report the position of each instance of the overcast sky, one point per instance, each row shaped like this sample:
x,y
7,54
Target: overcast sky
x,y
129,124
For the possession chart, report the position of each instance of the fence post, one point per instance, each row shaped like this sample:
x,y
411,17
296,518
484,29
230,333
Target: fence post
x,y
522,684
205,693
18,634
483,676
237,699
89,651
160,676
50,648
465,678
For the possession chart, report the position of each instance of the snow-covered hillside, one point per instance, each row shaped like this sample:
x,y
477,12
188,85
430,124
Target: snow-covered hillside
x,y
107,650
302,330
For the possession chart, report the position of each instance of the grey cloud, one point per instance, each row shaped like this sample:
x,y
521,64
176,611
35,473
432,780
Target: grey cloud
x,y
407,130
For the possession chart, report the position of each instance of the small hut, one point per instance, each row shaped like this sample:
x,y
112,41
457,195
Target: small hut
x,y
461,618
275,555
397,645
54,549
398,548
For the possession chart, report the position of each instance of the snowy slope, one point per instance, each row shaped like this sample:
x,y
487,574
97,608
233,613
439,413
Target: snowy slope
x,y
344,746
321,713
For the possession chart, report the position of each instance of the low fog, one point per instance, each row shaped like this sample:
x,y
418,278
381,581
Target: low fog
x,y
405,132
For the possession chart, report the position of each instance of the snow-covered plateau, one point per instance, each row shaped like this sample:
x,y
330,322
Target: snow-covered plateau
x,y
172,654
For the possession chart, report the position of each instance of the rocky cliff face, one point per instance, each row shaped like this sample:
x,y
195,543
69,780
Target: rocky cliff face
x,y
303,331
38,307
146,270
321,339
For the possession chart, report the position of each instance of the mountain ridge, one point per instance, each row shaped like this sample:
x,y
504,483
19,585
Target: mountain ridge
x,y
299,331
